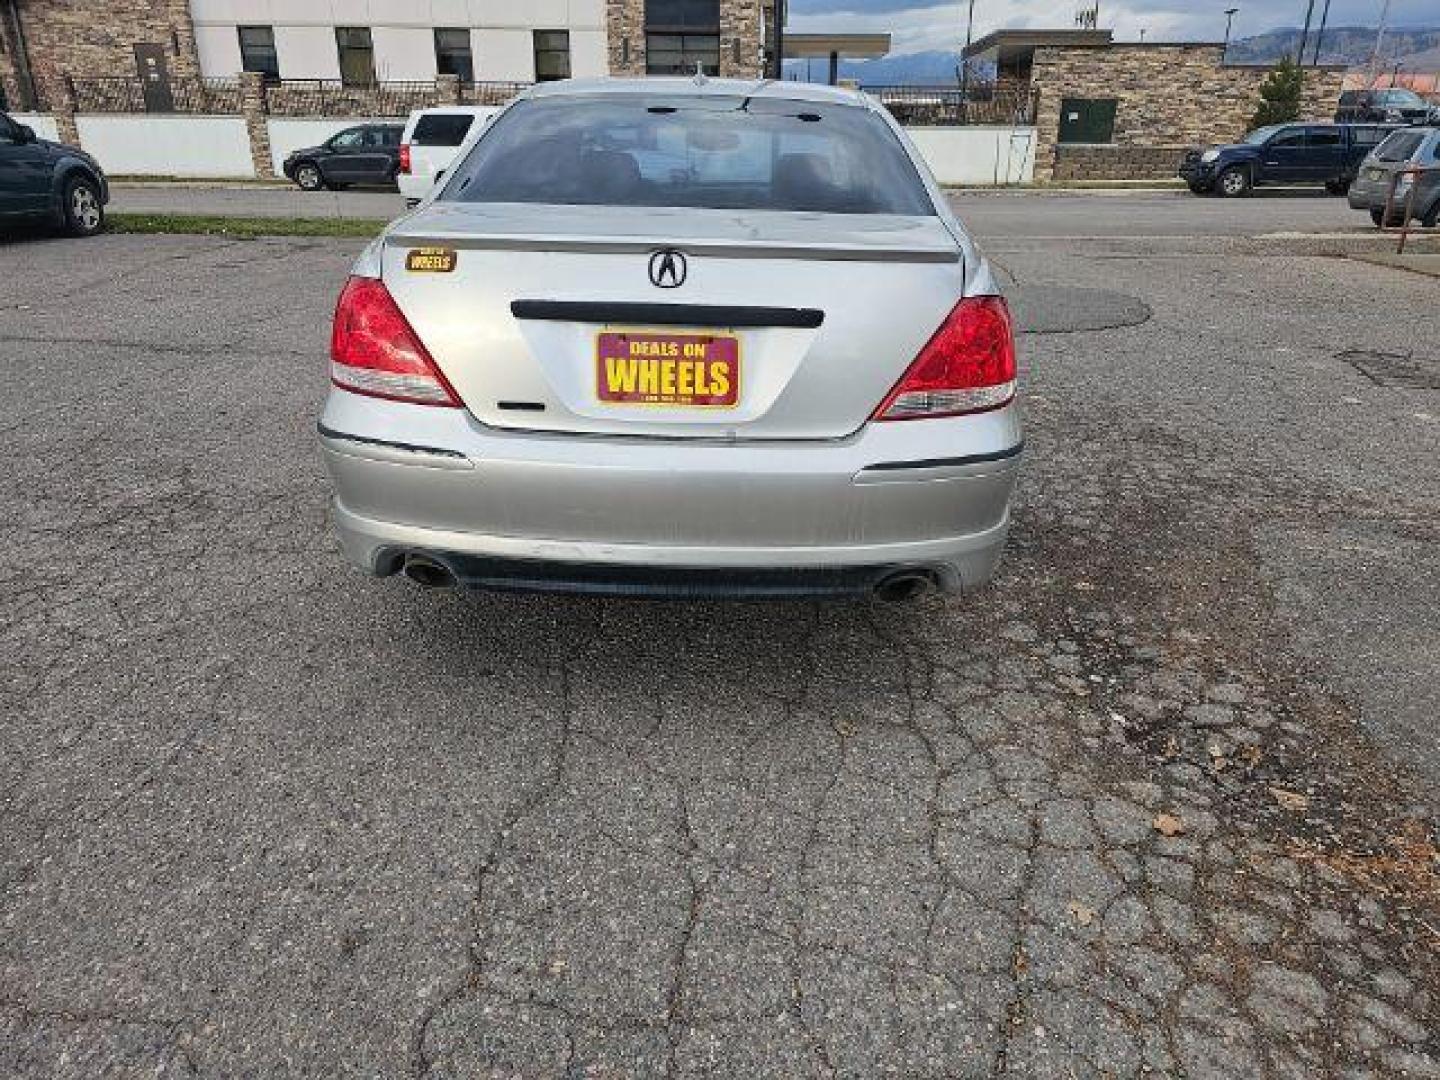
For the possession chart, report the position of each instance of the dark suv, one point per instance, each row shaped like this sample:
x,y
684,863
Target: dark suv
x,y
48,181
1396,105
1320,154
365,154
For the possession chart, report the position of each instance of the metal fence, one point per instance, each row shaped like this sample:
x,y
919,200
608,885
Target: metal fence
x,y
491,93
940,106
330,97
127,94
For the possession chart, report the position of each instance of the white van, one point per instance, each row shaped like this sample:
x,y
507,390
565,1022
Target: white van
x,y
429,144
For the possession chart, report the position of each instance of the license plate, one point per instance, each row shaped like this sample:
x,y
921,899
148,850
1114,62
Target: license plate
x,y
675,370
1374,174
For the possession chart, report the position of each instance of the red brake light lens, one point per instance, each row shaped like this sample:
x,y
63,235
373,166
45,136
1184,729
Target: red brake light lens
x,y
967,367
405,158
374,351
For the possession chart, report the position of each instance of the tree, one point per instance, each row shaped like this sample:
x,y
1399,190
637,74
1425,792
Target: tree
x,y
1280,95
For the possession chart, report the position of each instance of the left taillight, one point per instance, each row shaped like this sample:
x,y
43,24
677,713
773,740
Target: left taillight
x,y
374,350
967,366
405,158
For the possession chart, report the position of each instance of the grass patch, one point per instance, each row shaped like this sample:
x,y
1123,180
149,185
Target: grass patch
x,y
245,228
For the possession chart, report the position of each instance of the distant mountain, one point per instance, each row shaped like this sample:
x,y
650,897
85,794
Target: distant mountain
x,y
933,68
1415,50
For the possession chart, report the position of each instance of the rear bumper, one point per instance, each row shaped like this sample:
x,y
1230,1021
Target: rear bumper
x,y
1368,194
412,186
650,516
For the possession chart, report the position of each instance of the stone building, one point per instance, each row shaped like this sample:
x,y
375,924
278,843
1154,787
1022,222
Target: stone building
x,y
1113,110
366,41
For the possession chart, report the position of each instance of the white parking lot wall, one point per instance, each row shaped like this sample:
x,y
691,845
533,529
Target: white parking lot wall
x,y
977,155
189,146
43,126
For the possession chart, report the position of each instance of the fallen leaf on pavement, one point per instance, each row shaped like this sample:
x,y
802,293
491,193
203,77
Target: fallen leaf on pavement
x,y
1290,800
1168,825
1081,913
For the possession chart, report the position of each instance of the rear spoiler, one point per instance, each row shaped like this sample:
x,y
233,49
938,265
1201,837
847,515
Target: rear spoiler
x,y
728,249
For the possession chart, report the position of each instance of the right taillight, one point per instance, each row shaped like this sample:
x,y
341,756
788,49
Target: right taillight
x,y
375,351
405,158
968,366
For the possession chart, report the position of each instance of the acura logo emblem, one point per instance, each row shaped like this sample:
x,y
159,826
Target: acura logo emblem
x,y
668,269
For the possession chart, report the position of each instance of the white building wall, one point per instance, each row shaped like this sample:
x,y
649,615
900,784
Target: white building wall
x,y
403,52
504,55
589,53
501,40
219,50
306,52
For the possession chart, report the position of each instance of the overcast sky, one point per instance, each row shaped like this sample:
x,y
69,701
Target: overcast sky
x,y
922,24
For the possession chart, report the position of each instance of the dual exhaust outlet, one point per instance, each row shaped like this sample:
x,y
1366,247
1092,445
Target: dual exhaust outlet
x,y
899,587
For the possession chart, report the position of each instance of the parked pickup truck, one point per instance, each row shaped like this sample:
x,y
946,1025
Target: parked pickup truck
x,y
1327,154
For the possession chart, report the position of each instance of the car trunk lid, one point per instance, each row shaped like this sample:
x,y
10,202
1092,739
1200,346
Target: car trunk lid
x,y
537,314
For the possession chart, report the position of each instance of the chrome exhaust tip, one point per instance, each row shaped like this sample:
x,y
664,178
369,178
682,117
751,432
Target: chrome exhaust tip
x,y
906,585
428,573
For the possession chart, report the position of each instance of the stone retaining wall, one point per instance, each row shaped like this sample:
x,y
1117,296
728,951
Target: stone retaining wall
x,y
1091,162
1167,95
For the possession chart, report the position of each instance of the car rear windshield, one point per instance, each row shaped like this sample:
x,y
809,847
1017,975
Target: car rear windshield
x,y
724,153
441,129
1400,146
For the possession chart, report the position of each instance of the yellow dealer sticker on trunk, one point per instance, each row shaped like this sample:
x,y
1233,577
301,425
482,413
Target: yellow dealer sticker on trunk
x,y
430,260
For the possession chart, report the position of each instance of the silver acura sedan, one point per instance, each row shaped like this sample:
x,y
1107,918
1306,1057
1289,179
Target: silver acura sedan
x,y
677,337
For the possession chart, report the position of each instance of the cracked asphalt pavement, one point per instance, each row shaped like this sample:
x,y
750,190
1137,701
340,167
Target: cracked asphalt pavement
x,y
1160,801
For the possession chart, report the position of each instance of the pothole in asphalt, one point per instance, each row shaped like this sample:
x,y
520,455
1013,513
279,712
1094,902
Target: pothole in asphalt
x,y
1404,370
1054,309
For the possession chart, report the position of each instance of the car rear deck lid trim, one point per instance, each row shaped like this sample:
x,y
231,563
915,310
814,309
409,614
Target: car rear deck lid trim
x,y
719,248
708,315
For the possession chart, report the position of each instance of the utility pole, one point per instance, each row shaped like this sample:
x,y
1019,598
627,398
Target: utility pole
x,y
1304,34
777,39
1230,18
1372,70
1320,36
964,57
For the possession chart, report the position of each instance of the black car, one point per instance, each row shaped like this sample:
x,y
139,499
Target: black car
x,y
364,154
1396,105
1320,154
49,181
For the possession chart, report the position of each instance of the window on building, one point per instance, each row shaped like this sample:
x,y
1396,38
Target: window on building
x,y
677,54
682,15
552,55
452,54
257,51
680,34
357,55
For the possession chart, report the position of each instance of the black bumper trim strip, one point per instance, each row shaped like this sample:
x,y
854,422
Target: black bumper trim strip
x,y
708,315
947,463
409,448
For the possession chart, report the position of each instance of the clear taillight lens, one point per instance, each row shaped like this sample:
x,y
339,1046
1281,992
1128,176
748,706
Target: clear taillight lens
x,y
968,366
374,350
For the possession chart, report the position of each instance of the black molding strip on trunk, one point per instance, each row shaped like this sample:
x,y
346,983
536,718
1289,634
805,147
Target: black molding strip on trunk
x,y
709,315
386,444
948,463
